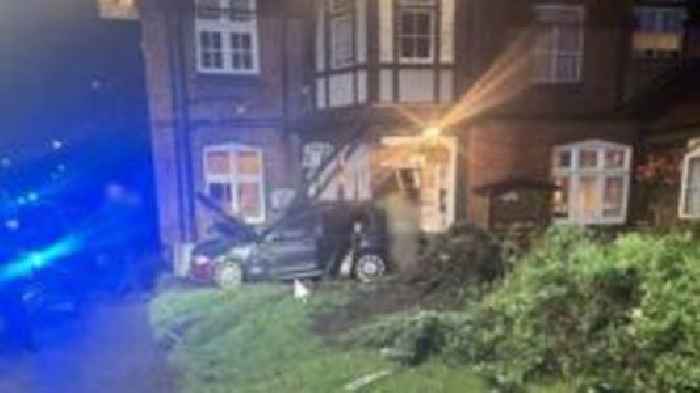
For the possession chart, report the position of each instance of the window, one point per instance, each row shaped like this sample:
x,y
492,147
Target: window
x,y
118,9
226,37
593,180
416,31
558,54
234,178
659,31
690,187
342,31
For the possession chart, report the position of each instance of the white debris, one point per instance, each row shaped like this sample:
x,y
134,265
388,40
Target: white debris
x,y
367,380
301,292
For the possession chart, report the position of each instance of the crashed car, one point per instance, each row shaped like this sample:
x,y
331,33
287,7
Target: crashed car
x,y
324,239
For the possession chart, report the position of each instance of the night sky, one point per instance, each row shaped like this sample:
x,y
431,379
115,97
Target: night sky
x,y
67,75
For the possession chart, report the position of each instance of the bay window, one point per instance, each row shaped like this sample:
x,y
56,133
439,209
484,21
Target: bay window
x,y
342,32
594,181
226,37
558,53
417,31
690,186
234,178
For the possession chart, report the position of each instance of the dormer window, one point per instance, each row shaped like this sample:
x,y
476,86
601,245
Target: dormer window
x,y
416,34
658,31
226,37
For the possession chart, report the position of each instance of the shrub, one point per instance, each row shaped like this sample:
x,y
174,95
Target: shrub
x,y
619,316
465,254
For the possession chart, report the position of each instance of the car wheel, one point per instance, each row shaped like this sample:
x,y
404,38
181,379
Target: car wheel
x,y
229,275
369,267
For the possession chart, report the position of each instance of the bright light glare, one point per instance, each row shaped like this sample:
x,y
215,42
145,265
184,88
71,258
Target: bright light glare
x,y
39,259
432,132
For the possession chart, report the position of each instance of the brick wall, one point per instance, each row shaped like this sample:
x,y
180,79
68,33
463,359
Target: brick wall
x,y
501,150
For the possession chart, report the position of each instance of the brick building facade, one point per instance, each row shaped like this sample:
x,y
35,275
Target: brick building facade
x,y
248,96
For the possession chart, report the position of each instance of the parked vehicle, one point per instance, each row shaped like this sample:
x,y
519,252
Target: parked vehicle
x,y
312,243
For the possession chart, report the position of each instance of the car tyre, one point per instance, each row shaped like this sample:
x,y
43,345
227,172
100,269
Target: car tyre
x,y
369,267
228,276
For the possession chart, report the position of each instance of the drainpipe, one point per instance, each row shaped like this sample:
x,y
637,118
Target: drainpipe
x,y
181,122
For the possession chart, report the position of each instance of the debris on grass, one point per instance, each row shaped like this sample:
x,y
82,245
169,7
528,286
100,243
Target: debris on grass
x,y
367,380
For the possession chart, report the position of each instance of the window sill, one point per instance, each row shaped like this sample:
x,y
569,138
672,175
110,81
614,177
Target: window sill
x,y
238,79
615,222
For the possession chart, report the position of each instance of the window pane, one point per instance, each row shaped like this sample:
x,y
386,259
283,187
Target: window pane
x,y
245,41
589,198
567,68
223,194
569,38
218,163
241,10
614,197
588,158
249,200
408,47
249,163
614,159
422,21
248,61
423,48
208,9
342,41
693,188
563,159
561,197
408,26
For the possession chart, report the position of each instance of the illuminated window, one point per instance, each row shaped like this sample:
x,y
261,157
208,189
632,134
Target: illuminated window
x,y
594,181
226,37
416,31
690,187
342,32
118,9
659,31
558,55
234,178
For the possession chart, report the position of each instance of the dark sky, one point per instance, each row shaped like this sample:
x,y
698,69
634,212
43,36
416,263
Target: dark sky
x,y
67,75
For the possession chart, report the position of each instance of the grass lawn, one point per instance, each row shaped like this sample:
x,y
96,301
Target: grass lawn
x,y
259,339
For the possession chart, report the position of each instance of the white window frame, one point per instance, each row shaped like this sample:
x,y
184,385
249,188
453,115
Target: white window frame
x,y
553,53
227,26
341,13
428,7
575,173
234,179
685,177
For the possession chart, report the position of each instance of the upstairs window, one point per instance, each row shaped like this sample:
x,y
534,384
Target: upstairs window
x,y
342,32
417,31
226,37
659,31
234,178
558,54
690,187
594,181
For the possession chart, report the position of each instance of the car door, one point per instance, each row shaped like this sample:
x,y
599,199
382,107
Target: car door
x,y
293,247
